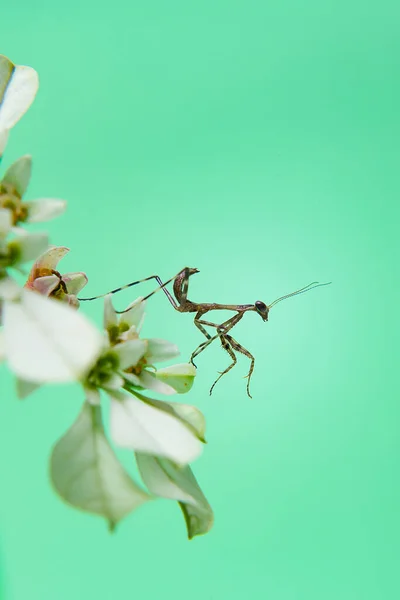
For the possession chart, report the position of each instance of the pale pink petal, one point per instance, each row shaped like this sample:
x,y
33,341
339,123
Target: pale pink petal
x,y
75,282
45,285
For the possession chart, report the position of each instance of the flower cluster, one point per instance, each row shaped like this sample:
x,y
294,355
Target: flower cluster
x,y
45,340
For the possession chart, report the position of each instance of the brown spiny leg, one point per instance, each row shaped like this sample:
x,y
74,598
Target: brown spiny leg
x,y
226,346
202,347
236,346
221,329
199,324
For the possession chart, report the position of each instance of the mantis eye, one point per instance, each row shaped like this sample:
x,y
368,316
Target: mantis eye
x,y
260,305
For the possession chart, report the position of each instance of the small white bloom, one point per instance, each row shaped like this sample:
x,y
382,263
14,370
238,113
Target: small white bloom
x,y
14,252
12,188
125,327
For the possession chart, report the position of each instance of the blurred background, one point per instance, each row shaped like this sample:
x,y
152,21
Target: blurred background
x,y
259,142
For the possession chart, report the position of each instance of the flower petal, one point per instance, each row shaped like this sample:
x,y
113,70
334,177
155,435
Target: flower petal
x,y
4,133
149,382
131,378
29,245
180,377
19,174
5,222
9,288
92,395
166,480
114,382
86,473
49,259
18,87
45,209
75,282
129,353
190,415
25,388
160,350
139,426
110,318
47,341
133,316
3,354
45,285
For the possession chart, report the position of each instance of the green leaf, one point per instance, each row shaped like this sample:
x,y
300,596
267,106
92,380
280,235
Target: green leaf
x,y
165,479
19,174
86,473
180,377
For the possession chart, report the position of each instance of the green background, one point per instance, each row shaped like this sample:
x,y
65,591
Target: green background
x,y
259,142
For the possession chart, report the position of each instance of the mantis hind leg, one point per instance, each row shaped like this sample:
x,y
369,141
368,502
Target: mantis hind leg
x,y
199,324
227,347
221,328
202,347
236,346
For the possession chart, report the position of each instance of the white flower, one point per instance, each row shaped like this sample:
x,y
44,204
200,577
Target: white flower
x,y
137,422
18,87
127,365
143,374
47,341
14,252
12,188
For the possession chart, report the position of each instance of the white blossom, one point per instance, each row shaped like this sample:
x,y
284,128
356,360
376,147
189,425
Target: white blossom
x,y
12,189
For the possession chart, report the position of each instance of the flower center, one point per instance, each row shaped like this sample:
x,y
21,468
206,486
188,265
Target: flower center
x,y
138,368
102,371
10,199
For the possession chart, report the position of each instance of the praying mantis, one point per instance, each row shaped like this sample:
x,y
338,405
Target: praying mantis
x,y
182,304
